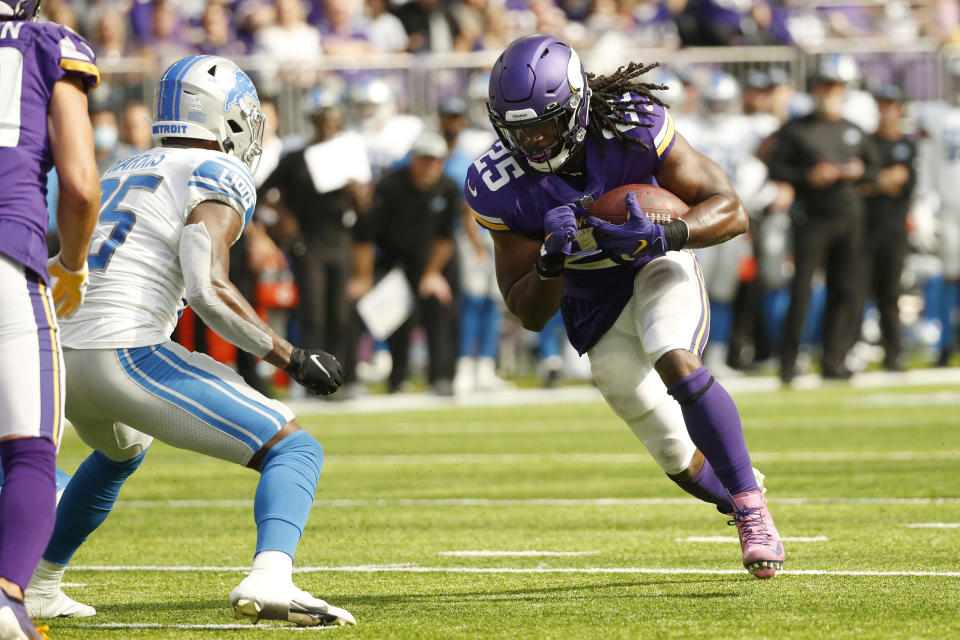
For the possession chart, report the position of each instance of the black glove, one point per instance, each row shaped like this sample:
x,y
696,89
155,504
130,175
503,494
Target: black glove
x,y
315,369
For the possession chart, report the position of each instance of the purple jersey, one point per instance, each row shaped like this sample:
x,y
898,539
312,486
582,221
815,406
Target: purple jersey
x,y
504,197
33,56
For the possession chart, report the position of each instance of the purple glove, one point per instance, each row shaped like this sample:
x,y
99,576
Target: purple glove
x,y
637,234
560,228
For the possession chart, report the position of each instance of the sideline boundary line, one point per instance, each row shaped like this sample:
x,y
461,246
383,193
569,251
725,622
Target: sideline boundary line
x,y
412,568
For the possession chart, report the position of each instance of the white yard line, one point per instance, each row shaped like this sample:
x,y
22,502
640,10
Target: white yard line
x,y
208,627
521,570
727,539
522,502
486,553
629,458
934,525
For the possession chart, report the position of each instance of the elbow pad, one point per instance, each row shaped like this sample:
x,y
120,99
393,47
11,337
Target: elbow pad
x,y
195,258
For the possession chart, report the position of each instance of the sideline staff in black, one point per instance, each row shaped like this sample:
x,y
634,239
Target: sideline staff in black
x,y
887,204
824,157
410,225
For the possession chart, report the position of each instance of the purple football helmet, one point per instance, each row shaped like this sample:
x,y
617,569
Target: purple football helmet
x,y
539,101
19,9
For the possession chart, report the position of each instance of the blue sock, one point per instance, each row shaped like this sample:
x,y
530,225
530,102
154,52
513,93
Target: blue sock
x,y
288,481
490,328
932,289
86,503
721,321
949,300
470,308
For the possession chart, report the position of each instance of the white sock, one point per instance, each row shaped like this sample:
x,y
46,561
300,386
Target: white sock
x,y
47,577
273,565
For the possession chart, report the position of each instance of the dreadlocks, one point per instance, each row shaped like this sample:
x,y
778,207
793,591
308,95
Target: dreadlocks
x,y
609,107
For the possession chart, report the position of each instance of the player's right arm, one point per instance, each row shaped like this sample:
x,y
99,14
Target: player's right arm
x,y
71,143
532,299
210,229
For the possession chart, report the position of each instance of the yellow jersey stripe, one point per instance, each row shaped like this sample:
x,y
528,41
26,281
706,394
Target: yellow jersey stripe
x,y
68,64
489,225
55,351
668,138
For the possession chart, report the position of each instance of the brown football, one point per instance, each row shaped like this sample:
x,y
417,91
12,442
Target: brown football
x,y
658,204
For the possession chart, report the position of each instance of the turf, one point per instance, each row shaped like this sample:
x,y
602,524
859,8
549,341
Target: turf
x,y
852,466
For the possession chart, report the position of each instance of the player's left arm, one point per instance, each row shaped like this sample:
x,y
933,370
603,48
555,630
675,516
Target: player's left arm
x,y
71,144
716,212
210,230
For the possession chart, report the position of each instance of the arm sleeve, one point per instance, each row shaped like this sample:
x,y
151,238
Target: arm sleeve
x,y
195,256
74,56
224,179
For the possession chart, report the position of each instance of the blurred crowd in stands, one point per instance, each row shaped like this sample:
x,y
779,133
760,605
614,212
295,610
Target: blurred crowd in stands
x,y
354,185
290,30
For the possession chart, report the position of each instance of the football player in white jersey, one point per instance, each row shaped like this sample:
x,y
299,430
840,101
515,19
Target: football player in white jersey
x,y
939,153
167,220
729,138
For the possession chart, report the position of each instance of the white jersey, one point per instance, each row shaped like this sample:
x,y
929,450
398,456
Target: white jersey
x,y
939,155
136,288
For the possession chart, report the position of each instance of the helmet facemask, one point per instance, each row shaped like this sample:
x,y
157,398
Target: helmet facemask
x,y
544,143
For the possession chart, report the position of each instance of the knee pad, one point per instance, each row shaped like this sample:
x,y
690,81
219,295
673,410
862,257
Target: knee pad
x,y
664,433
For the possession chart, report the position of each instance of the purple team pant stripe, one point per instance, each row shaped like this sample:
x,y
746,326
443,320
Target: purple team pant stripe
x,y
702,333
49,356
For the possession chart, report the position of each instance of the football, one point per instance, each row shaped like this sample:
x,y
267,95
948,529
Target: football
x,y
658,204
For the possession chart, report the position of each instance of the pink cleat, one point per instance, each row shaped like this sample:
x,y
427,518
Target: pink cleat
x,y
762,550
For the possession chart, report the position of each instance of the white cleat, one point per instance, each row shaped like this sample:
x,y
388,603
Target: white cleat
x,y
55,605
258,600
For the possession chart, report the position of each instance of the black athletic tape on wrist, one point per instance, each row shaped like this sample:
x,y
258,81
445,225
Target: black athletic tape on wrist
x,y
549,266
676,233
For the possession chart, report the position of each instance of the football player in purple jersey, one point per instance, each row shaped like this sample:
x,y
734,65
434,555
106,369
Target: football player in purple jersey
x,y
632,295
45,69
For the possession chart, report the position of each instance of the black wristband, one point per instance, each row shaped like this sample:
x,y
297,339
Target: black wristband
x,y
549,266
297,358
676,232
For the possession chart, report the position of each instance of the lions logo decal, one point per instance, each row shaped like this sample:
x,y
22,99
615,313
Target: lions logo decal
x,y
241,87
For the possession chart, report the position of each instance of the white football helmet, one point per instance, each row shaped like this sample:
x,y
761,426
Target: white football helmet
x,y
210,98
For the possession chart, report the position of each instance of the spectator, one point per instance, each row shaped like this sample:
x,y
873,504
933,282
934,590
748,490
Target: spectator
x,y
431,26
135,125
887,203
216,35
384,29
823,156
106,139
343,29
323,187
164,42
387,135
411,226
290,44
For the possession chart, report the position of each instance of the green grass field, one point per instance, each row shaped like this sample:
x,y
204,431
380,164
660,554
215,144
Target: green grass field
x,y
848,471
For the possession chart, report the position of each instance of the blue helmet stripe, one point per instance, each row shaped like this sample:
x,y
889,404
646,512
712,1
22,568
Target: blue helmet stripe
x,y
167,95
191,61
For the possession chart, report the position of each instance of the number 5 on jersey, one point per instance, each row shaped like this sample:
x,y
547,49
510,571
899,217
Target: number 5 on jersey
x,y
111,197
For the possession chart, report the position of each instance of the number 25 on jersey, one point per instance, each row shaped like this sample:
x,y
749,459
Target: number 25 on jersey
x,y
112,194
